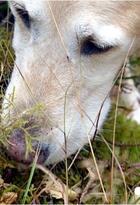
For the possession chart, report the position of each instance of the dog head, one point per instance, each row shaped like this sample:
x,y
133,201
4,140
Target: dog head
x,y
67,57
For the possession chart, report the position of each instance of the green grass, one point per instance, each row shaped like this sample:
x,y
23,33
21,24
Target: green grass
x,y
118,180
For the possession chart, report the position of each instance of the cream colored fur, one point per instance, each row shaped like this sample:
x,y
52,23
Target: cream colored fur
x,y
51,70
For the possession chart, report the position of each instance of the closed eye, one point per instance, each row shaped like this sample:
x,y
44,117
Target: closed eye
x,y
89,47
24,16
23,13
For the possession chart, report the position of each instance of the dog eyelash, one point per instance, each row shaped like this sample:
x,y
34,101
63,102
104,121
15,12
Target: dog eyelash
x,y
24,16
90,47
23,13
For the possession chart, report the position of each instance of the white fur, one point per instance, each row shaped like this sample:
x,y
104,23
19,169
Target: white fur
x,y
73,90
131,96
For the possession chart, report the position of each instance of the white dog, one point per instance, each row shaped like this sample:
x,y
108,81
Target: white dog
x,y
68,54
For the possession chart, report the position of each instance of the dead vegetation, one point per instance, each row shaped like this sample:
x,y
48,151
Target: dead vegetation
x,y
109,173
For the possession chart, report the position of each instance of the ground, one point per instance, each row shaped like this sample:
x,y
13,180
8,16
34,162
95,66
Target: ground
x,y
106,172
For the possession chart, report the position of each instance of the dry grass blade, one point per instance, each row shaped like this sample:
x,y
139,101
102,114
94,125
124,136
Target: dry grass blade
x,y
56,187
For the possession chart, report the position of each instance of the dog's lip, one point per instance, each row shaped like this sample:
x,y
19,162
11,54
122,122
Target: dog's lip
x,y
17,149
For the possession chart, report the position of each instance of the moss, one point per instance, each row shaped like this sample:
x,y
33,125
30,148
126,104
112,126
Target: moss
x,y
127,152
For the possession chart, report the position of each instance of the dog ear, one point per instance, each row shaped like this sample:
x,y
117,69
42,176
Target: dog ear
x,y
133,15
133,24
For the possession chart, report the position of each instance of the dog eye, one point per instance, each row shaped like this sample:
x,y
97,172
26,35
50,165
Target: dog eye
x,y
24,16
90,48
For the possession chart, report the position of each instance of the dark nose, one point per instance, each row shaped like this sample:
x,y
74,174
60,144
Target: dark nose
x,y
17,148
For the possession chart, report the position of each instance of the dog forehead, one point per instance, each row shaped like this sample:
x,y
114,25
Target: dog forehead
x,y
42,8
107,18
36,7
97,6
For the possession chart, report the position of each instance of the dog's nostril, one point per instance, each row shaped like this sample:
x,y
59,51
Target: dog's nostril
x,y
17,148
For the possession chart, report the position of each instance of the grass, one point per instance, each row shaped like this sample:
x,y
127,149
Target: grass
x,y
42,186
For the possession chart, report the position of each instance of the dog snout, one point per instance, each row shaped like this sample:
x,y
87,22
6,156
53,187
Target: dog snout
x,y
18,146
